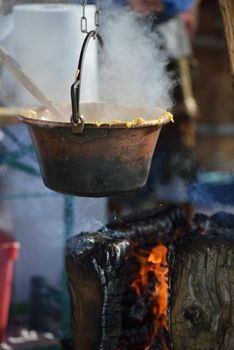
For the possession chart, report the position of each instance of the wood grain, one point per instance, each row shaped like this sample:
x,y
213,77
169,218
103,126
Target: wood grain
x,y
227,10
202,294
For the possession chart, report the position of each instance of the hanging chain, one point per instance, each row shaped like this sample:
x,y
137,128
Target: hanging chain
x,y
84,20
97,15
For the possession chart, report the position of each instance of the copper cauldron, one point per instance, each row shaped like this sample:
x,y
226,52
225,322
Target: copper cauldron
x,y
87,158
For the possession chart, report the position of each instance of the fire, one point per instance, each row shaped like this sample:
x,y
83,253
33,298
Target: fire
x,y
155,262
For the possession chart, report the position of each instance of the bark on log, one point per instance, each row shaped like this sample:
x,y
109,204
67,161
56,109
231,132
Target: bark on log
x,y
227,10
93,262
107,314
201,295
149,227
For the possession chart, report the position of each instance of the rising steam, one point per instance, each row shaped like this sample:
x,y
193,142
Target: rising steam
x,y
133,64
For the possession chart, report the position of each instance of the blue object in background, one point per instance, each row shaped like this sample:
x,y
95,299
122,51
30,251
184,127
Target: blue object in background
x,y
212,188
172,7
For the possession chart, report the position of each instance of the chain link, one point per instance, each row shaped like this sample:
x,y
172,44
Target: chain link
x,y
97,15
84,20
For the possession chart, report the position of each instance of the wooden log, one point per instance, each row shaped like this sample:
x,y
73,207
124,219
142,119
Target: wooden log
x,y
201,295
93,262
152,226
227,10
107,314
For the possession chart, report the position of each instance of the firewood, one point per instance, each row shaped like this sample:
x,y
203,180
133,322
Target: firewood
x,y
107,313
93,262
201,282
150,227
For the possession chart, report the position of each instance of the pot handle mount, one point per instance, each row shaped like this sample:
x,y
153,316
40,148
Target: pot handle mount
x,y
77,119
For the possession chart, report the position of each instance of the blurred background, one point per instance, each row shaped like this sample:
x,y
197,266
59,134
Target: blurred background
x,y
193,165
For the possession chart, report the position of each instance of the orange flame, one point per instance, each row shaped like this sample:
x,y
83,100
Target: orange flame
x,y
156,262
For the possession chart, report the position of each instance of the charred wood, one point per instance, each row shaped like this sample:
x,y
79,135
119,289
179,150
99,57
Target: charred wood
x,y
93,263
150,227
107,313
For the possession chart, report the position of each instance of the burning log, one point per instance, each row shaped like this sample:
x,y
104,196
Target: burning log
x,y
93,264
118,282
150,227
202,285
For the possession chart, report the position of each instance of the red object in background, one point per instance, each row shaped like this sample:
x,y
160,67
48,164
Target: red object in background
x,y
191,20
9,250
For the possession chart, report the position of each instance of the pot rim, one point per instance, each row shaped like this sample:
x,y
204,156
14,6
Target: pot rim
x,y
27,117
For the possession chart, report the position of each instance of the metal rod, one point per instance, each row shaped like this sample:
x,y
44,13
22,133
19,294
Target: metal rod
x,y
77,119
12,65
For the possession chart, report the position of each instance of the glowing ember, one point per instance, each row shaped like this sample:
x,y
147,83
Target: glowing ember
x,y
155,262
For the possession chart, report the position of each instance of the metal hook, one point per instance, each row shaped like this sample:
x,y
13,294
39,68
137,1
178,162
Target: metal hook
x,y
77,120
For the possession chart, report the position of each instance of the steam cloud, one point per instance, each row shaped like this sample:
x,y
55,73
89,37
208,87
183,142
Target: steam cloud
x,y
133,64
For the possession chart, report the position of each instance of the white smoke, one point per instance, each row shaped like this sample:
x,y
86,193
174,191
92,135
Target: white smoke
x,y
133,64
